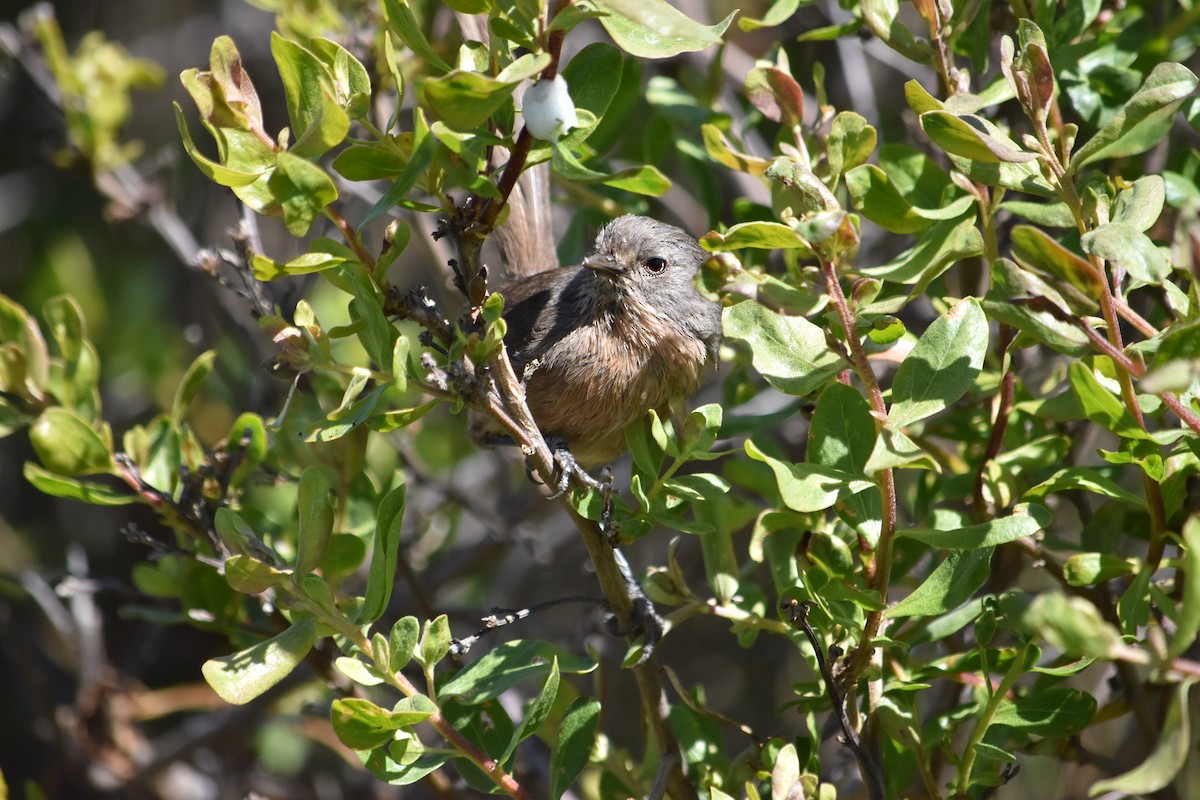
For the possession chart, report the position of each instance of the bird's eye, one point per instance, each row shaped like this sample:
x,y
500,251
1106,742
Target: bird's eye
x,y
655,264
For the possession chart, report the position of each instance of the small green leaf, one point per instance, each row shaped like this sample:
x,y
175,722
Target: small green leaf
x,y
1132,249
362,725
539,710
1037,250
200,369
937,249
972,137
842,432
505,666
402,642
243,676
266,269
1085,478
251,576
67,445
1101,405
1170,754
656,29
790,352
878,200
1144,120
808,487
389,518
300,189
319,122
57,486
1187,624
1057,711
950,585
1089,569
1071,624
401,21
1010,282
1141,204
849,144
315,507
435,642
779,12
1026,520
576,737
942,366
466,100
758,235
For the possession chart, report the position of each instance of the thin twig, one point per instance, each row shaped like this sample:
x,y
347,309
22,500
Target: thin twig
x,y
872,774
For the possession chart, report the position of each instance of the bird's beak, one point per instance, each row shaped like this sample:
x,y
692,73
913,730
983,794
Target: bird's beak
x,y
605,264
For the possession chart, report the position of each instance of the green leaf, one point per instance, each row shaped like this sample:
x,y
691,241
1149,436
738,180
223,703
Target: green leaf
x,y
937,249
1085,478
200,369
402,642
779,12
1089,569
942,366
389,518
56,485
656,29
883,18
842,432
576,737
266,269
878,200
435,642
849,144
1170,754
251,576
424,146
318,120
351,82
466,100
315,506
808,487
1010,282
539,710
300,189
1141,204
780,99
790,352
1101,405
1026,520
362,725
950,585
1132,249
1144,120
506,665
1187,623
243,676
1071,624
1055,712
1037,250
758,235
67,445
972,137
401,21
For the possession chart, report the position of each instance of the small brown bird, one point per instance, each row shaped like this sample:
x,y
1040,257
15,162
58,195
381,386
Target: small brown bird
x,y
602,343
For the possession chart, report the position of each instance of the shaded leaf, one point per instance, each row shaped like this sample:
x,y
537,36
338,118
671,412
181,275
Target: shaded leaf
x,y
942,366
243,676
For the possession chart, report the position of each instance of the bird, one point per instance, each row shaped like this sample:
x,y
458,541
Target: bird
x,y
601,343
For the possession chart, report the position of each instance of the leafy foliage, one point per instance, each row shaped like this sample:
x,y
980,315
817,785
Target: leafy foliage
x,y
1017,384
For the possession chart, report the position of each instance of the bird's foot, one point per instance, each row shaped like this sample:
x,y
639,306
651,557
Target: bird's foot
x,y
645,617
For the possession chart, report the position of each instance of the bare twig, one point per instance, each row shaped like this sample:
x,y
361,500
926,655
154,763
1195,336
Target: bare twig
x,y
872,773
